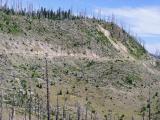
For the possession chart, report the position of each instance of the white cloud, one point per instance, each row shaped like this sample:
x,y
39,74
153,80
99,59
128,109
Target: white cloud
x,y
143,21
153,47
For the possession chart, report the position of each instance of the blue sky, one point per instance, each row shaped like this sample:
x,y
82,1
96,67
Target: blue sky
x,y
141,17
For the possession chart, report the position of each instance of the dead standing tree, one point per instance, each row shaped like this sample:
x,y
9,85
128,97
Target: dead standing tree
x,y
149,104
0,4
3,63
47,84
30,101
78,112
1,101
57,109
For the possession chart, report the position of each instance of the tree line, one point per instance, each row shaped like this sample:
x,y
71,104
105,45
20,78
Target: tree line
x,y
58,14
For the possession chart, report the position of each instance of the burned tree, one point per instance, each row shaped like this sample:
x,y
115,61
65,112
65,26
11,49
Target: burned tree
x,y
149,103
57,109
47,89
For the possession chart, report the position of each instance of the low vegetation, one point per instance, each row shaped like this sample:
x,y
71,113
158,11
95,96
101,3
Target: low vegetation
x,y
82,76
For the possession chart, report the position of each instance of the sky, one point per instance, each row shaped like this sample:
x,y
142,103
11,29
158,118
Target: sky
x,y
140,17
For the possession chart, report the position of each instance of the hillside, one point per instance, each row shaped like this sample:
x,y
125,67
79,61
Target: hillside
x,y
96,70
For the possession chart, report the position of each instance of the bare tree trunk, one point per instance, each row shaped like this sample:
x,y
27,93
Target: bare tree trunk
x,y
69,117
25,116
143,115
86,115
95,116
38,108
57,109
13,108
40,114
64,112
149,105
30,102
48,95
0,4
1,105
9,115
25,110
35,101
12,112
91,116
78,112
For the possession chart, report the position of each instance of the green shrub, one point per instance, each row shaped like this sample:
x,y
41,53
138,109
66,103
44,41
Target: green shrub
x,y
131,79
90,63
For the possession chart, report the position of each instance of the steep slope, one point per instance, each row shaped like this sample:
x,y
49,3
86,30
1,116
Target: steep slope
x,y
118,45
93,66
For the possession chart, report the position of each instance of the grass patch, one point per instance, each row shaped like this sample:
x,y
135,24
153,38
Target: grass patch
x,y
135,48
8,24
131,79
